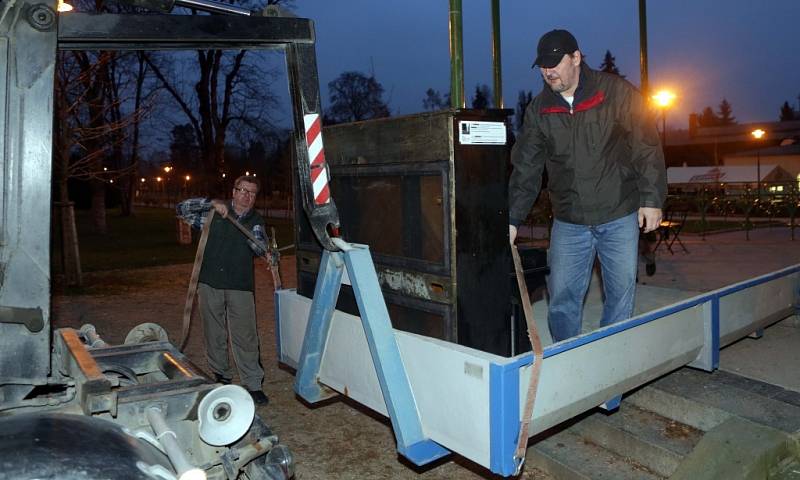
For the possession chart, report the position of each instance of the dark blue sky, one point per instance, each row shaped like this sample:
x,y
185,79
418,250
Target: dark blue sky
x,y
743,50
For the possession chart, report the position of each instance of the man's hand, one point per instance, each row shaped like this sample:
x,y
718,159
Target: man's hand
x,y
512,234
649,218
222,208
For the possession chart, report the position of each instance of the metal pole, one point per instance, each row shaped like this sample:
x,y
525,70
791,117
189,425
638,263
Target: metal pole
x,y
758,173
456,56
169,440
664,128
643,47
497,66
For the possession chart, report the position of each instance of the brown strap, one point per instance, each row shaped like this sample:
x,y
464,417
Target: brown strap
x,y
536,343
270,252
198,262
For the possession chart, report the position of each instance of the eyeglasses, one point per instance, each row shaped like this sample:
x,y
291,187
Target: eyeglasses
x,y
245,191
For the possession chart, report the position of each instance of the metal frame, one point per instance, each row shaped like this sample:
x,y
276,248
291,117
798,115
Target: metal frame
x,y
451,382
30,34
412,442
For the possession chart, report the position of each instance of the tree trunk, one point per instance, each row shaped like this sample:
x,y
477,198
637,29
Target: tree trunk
x,y
99,207
70,253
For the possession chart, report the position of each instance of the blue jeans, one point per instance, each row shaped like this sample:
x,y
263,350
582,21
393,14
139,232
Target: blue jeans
x,y
571,257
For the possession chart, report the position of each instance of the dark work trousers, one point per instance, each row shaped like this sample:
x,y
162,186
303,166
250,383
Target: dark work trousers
x,y
231,312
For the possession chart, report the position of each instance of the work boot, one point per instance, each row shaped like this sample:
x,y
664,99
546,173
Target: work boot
x,y
220,379
258,397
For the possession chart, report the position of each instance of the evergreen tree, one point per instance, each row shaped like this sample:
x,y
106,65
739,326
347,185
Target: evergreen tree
x,y
787,113
609,64
434,101
725,113
523,100
708,118
482,98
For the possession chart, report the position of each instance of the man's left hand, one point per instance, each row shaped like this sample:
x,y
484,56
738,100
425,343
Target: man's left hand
x,y
649,218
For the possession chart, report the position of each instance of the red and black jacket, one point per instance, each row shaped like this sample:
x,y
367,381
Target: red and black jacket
x,y
602,154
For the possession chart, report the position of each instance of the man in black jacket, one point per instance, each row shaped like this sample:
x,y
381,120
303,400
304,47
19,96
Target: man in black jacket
x,y
606,177
226,284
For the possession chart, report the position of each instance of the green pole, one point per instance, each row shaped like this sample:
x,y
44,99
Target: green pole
x,y
643,47
456,56
497,66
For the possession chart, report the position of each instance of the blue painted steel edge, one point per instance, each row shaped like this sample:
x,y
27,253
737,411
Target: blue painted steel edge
x,y
656,314
504,420
715,333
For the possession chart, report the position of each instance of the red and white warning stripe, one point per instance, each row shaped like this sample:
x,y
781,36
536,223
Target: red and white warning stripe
x,y
316,158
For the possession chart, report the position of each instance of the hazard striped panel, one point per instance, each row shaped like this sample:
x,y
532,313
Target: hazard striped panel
x,y
316,159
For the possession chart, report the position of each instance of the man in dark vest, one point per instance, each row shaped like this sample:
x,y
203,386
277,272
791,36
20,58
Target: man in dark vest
x,y
226,284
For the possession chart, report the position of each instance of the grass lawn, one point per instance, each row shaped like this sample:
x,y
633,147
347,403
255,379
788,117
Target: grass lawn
x,y
145,240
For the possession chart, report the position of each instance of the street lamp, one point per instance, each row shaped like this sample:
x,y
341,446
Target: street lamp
x,y
63,6
758,134
664,99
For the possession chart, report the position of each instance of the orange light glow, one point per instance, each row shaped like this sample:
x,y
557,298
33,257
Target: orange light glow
x,y
64,6
664,98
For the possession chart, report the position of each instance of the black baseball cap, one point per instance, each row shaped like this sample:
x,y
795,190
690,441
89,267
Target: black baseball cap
x,y
553,46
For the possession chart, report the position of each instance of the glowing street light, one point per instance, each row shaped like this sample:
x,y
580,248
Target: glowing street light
x,y
187,177
758,134
167,169
664,100
158,179
143,180
63,6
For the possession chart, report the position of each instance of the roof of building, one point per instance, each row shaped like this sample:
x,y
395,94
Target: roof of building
x,y
780,151
738,132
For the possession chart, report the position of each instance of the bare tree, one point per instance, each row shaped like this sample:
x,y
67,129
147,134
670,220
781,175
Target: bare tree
x,y
355,97
231,93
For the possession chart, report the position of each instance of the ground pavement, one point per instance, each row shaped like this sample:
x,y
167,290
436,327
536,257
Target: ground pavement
x,y
341,440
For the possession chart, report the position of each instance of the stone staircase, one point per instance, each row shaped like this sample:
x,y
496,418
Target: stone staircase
x,y
687,425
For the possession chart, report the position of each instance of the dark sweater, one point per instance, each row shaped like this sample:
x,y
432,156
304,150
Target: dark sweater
x,y
228,259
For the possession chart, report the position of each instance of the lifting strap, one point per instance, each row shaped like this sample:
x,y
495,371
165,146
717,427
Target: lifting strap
x,y
270,256
536,343
198,261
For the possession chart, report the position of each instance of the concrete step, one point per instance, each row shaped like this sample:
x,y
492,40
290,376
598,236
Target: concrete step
x,y
789,469
567,456
651,440
705,400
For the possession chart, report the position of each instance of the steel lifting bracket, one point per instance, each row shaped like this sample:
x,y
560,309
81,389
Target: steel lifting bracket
x,y
394,383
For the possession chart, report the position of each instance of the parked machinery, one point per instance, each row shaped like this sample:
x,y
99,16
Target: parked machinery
x,y
83,409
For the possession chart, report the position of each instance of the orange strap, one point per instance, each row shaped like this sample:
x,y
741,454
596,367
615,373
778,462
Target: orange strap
x,y
536,343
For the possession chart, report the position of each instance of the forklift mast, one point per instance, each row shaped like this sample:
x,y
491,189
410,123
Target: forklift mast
x,y
31,32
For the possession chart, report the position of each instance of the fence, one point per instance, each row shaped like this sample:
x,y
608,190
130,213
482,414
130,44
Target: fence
x,y
708,207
